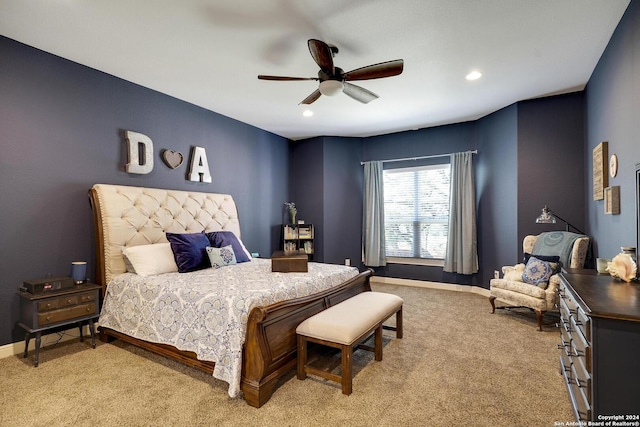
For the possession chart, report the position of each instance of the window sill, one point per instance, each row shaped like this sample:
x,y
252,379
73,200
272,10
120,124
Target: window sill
x,y
416,261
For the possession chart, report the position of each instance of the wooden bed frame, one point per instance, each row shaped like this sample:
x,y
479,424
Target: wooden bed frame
x,y
269,350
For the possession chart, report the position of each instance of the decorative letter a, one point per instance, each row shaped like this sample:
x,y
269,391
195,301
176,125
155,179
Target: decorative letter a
x,y
199,169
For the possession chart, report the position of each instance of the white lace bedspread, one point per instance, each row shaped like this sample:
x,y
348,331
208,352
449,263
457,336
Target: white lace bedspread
x,y
206,311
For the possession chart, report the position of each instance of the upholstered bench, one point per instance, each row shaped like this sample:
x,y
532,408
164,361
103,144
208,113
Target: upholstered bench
x,y
345,326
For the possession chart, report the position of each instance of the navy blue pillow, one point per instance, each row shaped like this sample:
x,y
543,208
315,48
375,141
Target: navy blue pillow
x,y
548,258
189,251
220,239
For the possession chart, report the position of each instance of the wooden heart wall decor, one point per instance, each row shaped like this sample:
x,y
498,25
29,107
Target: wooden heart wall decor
x,y
173,159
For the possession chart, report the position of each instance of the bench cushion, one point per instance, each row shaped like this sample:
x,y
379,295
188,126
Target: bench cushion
x,y
345,322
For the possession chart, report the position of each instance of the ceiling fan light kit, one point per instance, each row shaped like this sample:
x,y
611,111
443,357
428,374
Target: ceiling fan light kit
x,y
331,87
334,80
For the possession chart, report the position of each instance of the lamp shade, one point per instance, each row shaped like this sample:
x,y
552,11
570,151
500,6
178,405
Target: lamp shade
x,y
547,217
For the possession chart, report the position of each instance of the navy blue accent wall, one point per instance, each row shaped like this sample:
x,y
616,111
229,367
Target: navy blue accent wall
x,y
62,131
343,196
307,188
613,115
326,181
550,163
497,191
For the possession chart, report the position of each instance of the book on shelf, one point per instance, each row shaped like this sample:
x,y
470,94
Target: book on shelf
x,y
308,247
290,232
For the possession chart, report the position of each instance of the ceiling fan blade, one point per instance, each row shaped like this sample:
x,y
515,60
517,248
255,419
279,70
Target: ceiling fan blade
x,y
283,78
321,53
311,98
376,71
359,93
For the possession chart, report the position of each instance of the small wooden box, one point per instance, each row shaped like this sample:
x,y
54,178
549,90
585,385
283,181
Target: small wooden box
x,y
295,262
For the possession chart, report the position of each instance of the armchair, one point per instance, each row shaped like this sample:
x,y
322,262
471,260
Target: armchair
x,y
517,293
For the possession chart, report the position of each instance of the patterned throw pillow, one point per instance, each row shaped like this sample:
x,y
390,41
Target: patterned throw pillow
x,y
537,272
219,239
221,257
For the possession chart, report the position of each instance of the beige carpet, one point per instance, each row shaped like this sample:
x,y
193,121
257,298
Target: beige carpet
x,y
457,365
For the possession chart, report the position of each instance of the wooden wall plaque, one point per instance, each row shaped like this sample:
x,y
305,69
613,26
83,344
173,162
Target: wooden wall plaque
x,y
600,173
612,200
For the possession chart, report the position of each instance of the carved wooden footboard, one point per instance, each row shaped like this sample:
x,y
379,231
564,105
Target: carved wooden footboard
x,y
270,345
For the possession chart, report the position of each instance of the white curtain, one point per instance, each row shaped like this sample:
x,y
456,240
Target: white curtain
x,y
462,244
373,252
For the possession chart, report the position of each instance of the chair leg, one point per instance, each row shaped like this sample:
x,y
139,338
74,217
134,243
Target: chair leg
x,y
540,314
492,300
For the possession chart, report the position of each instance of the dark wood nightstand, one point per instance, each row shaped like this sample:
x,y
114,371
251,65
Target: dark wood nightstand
x,y
43,312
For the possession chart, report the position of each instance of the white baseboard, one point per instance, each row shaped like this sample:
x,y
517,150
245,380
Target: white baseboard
x,y
431,285
16,348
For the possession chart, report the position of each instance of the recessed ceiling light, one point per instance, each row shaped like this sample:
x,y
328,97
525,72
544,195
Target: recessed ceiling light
x,y
474,75
307,113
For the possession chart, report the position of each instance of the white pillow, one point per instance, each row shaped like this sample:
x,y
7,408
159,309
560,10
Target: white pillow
x,y
148,260
245,249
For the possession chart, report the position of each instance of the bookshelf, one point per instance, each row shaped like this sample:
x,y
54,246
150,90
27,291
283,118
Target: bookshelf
x,y
298,237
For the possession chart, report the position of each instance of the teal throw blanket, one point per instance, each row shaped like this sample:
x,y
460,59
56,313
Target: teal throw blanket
x,y
558,243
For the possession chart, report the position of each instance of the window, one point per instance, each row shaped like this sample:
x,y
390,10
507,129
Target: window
x,y
416,211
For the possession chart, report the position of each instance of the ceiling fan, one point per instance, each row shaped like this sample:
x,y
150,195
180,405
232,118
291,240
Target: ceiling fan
x,y
334,80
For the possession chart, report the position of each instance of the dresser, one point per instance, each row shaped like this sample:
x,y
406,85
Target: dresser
x,y
600,345
49,311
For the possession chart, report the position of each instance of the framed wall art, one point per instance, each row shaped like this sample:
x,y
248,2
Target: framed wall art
x,y
612,200
600,173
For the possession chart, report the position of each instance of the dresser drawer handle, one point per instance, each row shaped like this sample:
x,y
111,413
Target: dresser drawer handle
x,y
48,317
68,301
88,309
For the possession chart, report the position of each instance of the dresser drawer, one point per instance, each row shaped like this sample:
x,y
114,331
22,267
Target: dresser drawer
x,y
581,401
581,350
581,377
571,311
65,314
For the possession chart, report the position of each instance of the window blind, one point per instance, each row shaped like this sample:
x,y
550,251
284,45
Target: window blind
x,y
416,205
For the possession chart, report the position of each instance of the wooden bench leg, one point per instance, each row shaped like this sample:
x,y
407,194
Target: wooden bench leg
x,y
347,380
399,323
302,357
378,343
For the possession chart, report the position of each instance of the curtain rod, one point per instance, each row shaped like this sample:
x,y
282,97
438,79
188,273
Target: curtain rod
x,y
420,157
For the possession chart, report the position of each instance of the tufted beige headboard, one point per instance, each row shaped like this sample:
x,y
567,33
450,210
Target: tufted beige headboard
x,y
129,216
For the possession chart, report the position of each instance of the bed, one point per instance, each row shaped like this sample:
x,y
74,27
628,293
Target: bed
x,y
126,217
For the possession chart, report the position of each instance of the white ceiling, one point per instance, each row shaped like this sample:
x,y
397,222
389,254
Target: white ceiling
x,y
209,53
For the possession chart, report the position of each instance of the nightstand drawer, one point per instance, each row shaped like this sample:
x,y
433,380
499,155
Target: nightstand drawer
x,y
66,301
64,314
55,303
